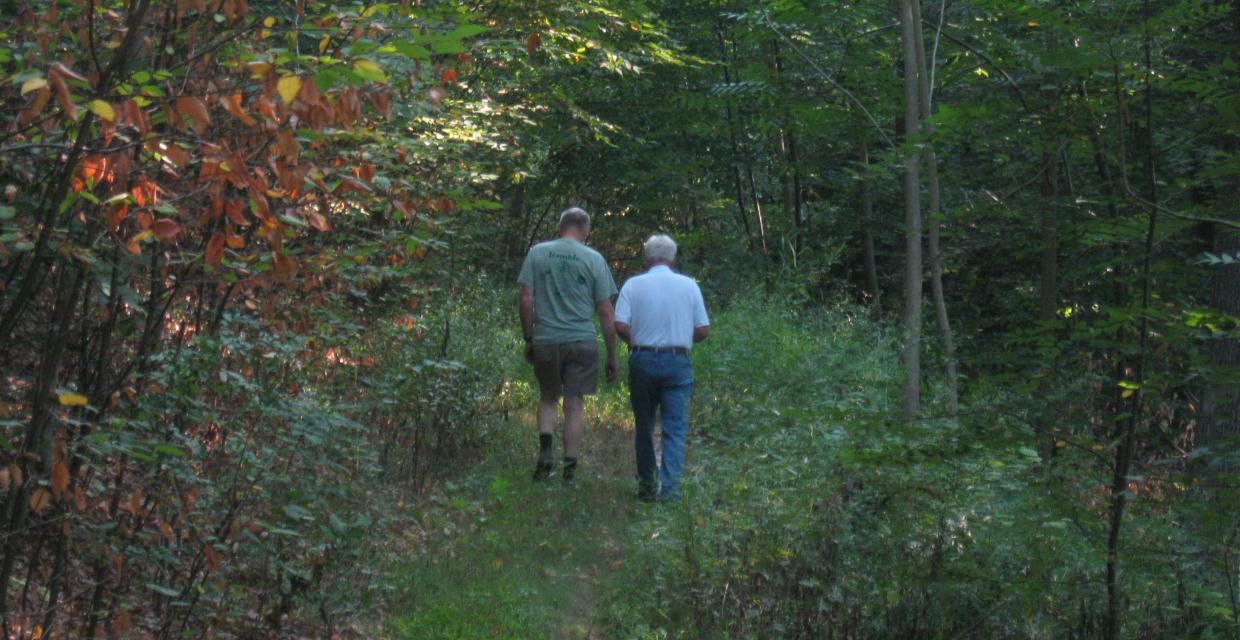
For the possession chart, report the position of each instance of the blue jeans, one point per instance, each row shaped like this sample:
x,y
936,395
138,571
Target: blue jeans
x,y
660,380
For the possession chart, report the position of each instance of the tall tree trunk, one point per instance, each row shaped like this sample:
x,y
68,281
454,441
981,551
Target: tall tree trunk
x,y
737,179
932,235
1220,407
1128,434
789,178
1048,236
911,357
1219,423
867,233
757,205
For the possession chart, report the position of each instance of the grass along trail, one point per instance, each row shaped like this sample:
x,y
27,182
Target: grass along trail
x,y
511,558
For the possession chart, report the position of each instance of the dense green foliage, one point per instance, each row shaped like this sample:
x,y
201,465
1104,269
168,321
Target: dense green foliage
x,y
256,320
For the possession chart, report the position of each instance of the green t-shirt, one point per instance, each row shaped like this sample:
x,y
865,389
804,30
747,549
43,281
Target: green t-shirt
x,y
568,279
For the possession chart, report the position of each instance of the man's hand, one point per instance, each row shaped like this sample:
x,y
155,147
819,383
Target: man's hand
x,y
611,370
529,352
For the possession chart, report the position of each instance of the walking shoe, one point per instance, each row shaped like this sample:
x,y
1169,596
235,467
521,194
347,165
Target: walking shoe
x,y
543,469
570,470
646,493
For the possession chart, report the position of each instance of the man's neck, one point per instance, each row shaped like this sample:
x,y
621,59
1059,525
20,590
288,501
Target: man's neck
x,y
573,234
658,263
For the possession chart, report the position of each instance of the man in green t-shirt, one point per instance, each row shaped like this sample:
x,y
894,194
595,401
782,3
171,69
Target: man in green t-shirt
x,y
563,284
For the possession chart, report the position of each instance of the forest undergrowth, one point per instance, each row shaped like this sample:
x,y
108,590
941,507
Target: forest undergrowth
x,y
808,512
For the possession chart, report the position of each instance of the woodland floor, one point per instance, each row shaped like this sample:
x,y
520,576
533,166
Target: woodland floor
x,y
511,558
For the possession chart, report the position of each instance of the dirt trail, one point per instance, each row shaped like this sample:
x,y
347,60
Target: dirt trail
x,y
510,558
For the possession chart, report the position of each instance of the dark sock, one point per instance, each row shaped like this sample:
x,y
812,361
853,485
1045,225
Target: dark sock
x,y
544,442
570,466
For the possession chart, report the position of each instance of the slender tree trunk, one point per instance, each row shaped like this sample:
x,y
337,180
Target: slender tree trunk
x,y
867,233
757,205
788,172
935,211
1128,435
1048,235
737,179
1219,421
911,357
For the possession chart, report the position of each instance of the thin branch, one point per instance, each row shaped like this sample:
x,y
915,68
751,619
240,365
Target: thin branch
x,y
934,52
1233,224
1006,76
883,134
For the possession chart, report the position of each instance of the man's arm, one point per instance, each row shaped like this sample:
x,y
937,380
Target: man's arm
x,y
607,319
624,332
701,333
525,307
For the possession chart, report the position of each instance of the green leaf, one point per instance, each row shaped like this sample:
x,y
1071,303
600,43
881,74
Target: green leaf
x,y
466,30
411,50
162,589
169,450
449,46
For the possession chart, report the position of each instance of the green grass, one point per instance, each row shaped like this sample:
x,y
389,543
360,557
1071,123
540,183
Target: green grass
x,y
510,558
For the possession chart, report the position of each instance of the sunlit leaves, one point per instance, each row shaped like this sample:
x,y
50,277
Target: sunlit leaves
x,y
215,249
71,399
33,84
40,501
288,86
102,109
166,229
368,70
196,109
60,479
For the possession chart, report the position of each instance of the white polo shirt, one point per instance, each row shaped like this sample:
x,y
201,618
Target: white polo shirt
x,y
662,307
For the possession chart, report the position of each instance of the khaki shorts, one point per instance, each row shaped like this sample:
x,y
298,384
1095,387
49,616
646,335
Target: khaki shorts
x,y
567,369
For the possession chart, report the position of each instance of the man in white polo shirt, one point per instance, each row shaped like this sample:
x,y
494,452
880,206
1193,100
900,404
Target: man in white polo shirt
x,y
660,315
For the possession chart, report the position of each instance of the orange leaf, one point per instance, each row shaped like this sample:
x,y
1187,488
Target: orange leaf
x,y
532,43
135,242
215,250
285,268
236,212
232,104
117,216
319,222
62,94
29,114
449,76
213,558
60,479
196,109
166,229
40,501
122,623
235,241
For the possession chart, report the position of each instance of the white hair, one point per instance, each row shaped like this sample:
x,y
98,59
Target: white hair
x,y
574,217
659,247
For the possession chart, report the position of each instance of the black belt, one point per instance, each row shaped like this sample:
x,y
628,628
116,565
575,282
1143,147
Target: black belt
x,y
680,351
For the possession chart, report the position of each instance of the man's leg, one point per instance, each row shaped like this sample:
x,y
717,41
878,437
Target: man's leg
x,y
547,371
580,380
573,408
573,425
548,407
674,396
643,397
